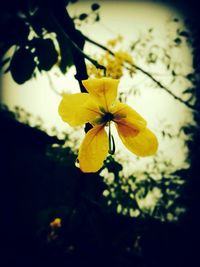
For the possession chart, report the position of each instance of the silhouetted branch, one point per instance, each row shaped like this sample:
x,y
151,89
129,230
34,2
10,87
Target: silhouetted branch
x,y
93,61
78,48
66,25
144,72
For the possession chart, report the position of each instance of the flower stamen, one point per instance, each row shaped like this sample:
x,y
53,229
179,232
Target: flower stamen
x,y
107,117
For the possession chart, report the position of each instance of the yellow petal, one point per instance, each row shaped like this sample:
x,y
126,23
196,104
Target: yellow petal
x,y
142,143
93,150
77,109
103,90
127,115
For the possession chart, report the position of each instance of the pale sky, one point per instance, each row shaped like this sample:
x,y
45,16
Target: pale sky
x,y
130,19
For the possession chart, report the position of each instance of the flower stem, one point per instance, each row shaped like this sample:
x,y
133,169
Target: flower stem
x,y
111,141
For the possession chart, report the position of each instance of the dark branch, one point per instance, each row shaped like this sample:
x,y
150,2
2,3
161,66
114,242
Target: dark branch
x,y
93,61
66,25
77,41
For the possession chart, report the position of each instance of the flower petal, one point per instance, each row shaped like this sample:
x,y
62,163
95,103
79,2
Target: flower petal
x,y
142,143
127,115
103,90
93,149
77,109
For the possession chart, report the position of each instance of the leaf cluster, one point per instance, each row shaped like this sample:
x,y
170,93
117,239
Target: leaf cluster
x,y
36,40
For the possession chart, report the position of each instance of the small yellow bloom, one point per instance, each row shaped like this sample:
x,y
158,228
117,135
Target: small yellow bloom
x,y
56,223
114,65
115,41
124,56
100,107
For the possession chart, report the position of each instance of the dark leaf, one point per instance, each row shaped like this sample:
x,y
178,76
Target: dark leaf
x,y
14,30
189,91
97,17
113,166
190,76
184,33
22,65
95,6
173,73
177,41
83,16
65,53
46,53
42,20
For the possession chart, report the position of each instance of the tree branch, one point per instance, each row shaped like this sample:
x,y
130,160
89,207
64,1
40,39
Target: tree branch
x,y
65,24
144,72
93,61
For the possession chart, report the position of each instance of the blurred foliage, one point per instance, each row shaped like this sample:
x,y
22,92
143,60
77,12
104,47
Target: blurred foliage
x,y
91,16
148,50
144,194
28,26
41,42
154,193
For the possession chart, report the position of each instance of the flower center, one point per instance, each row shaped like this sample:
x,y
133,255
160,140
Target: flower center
x,y
107,117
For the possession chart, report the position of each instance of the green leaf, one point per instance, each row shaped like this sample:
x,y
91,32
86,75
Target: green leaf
x,y
45,52
95,6
22,65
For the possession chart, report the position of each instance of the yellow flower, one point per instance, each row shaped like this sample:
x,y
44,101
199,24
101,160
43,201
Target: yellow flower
x,y
100,107
114,65
115,41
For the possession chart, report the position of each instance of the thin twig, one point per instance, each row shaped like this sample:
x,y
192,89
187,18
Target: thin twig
x,y
52,85
162,86
143,71
99,45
